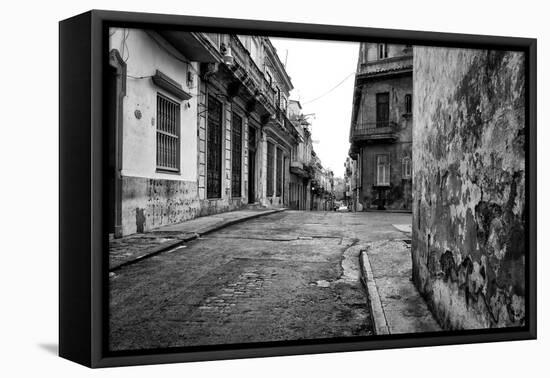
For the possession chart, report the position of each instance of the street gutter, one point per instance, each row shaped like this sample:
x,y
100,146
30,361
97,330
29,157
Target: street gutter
x,y
375,304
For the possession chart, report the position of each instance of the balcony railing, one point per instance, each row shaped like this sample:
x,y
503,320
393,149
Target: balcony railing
x,y
252,74
386,130
375,67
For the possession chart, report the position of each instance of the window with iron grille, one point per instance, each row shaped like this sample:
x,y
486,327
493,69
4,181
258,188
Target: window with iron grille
x,y
236,155
279,172
168,134
270,172
214,149
408,104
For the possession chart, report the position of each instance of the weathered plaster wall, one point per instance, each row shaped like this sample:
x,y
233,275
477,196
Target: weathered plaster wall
x,y
149,203
143,57
397,88
469,185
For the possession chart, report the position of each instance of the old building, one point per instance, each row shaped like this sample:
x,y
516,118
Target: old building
x,y
198,125
301,171
381,128
322,184
470,186
351,182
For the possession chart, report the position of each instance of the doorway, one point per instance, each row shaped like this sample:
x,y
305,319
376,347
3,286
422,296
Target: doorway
x,y
251,164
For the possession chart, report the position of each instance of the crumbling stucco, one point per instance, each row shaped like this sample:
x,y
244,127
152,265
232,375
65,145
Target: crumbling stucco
x,y
469,185
150,203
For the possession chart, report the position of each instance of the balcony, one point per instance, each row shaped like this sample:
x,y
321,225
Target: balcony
x,y
382,67
251,75
375,132
297,168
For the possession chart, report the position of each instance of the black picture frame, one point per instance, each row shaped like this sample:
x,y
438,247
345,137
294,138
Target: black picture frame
x,y
83,266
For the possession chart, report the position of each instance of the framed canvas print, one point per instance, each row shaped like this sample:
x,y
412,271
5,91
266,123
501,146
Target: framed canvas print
x,y
234,188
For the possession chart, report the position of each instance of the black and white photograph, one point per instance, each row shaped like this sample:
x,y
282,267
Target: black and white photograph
x,y
265,189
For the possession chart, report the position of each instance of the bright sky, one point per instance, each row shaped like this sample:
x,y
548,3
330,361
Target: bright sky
x,y
316,67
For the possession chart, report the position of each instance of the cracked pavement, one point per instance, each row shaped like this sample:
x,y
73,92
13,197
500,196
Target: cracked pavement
x,y
287,276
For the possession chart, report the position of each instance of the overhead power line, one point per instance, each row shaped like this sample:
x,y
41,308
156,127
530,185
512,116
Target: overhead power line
x,y
330,90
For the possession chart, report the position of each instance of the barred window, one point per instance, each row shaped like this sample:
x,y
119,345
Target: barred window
x,y
214,149
168,134
236,155
279,172
270,172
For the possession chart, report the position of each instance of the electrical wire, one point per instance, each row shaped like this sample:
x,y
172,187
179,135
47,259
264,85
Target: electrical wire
x,y
125,35
330,90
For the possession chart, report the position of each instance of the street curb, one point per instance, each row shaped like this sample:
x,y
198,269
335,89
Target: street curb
x,y
392,211
375,304
235,221
170,245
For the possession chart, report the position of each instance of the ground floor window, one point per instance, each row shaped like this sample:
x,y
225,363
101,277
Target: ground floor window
x,y
382,170
407,168
270,172
214,149
236,155
168,134
279,172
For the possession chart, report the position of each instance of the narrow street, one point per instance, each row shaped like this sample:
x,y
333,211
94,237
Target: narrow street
x,y
286,276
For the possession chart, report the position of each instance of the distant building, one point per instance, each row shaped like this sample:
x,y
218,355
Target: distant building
x,y
300,163
350,179
339,189
197,125
381,128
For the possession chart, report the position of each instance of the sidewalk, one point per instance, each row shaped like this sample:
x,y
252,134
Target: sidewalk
x,y
396,305
132,248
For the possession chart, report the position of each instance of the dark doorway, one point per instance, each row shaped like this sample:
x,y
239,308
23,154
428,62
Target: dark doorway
x,y
251,164
382,109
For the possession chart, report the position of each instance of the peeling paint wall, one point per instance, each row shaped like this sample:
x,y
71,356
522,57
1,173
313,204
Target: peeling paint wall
x,y
469,185
149,203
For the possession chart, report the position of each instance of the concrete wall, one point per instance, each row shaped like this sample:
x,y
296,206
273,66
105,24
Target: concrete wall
x,y
469,185
150,203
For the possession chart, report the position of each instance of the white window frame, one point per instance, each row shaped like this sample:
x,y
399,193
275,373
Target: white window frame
x,y
383,170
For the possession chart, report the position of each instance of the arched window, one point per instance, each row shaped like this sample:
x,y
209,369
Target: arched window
x,y
408,104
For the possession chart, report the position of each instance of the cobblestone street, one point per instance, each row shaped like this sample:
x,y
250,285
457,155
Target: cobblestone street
x,y
286,276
